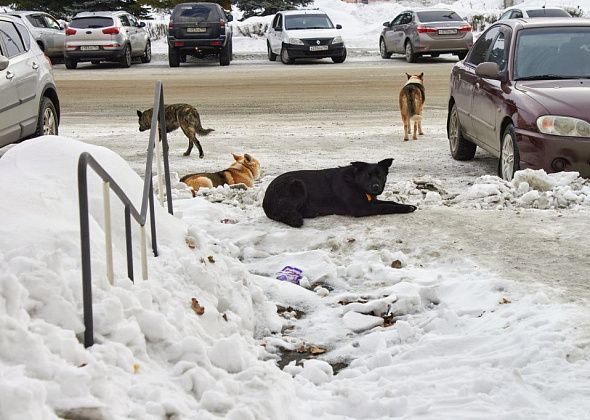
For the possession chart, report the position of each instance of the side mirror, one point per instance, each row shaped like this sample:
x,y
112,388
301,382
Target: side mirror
x,y
230,17
338,26
488,70
142,24
387,24
278,29
3,62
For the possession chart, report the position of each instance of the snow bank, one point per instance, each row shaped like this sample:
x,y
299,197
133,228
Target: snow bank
x,y
154,356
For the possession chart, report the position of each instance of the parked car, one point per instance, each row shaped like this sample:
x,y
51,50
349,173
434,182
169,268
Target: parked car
x,y
29,105
516,12
199,30
106,36
523,94
304,34
46,30
426,32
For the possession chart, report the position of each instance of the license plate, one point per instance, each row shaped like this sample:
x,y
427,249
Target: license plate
x,y
89,47
196,30
447,31
318,48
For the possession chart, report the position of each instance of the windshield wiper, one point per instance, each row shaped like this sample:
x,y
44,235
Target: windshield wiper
x,y
550,77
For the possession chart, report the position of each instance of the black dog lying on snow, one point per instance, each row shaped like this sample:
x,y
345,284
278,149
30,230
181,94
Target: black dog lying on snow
x,y
348,190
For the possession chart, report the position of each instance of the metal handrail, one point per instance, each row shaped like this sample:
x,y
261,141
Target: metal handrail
x,y
85,161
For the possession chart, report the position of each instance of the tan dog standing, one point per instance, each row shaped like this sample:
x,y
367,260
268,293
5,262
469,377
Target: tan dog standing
x,y
411,103
245,170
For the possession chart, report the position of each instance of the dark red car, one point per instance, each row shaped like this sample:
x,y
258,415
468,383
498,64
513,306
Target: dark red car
x,y
523,94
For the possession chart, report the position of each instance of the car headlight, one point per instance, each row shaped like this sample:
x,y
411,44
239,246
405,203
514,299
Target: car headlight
x,y
563,126
294,41
337,40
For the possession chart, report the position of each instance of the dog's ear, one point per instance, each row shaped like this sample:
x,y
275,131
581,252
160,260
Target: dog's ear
x,y
139,113
359,166
237,157
247,157
385,163
409,75
421,76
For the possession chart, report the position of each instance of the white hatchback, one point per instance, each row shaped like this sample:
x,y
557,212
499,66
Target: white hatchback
x,y
304,34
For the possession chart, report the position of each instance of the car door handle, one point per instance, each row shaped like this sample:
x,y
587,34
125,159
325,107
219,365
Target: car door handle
x,y
35,66
9,75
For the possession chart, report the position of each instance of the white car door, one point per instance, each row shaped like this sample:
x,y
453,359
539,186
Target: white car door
x,y
275,34
55,34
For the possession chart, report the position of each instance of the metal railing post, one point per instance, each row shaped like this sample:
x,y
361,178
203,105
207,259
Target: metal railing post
x,y
85,248
108,235
128,243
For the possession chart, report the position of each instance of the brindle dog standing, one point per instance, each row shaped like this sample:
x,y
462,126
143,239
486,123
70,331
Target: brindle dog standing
x,y
411,102
178,115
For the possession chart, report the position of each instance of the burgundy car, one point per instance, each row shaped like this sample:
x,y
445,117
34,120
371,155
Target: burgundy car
x,y
523,94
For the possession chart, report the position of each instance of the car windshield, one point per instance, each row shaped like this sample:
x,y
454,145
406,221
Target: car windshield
x,y
547,13
552,53
308,22
91,22
438,16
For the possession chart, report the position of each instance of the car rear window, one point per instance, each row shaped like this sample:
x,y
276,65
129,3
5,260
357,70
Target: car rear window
x,y
438,16
547,13
195,12
91,22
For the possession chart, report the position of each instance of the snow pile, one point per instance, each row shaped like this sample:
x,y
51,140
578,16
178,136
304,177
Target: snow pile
x,y
154,356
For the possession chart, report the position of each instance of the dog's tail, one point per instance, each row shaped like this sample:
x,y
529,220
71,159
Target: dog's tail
x,y
204,131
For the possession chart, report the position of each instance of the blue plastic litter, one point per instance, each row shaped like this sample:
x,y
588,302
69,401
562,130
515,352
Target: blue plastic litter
x,y
290,274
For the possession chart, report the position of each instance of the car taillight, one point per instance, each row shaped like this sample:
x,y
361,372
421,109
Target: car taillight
x,y
221,24
70,31
170,24
216,43
110,31
425,29
465,28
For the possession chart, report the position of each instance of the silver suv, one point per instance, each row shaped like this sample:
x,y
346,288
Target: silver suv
x,y
106,36
29,105
46,30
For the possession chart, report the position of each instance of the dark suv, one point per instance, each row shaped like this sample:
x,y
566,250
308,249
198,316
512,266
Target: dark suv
x,y
200,30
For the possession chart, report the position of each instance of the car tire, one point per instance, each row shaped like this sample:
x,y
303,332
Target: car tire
x,y
383,50
271,56
339,58
147,54
410,55
47,122
71,64
462,55
435,55
461,148
173,57
125,61
509,154
224,55
95,62
285,59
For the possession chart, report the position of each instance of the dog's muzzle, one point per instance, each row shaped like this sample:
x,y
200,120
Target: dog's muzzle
x,y
376,189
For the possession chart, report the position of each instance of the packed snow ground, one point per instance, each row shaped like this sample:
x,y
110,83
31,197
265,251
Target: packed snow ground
x,y
379,327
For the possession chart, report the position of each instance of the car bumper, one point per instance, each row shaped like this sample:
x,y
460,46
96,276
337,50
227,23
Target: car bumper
x,y
554,153
302,51
426,44
187,45
98,55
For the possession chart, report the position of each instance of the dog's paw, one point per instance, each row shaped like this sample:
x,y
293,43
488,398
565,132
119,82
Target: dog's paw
x,y
412,208
186,153
201,156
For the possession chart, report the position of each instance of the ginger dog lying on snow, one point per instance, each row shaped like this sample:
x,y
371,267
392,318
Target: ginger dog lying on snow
x,y
411,102
245,170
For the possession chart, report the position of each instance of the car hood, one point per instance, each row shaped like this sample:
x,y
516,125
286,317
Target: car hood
x,y
313,33
559,97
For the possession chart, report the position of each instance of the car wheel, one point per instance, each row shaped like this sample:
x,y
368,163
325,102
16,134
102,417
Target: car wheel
x,y
285,59
383,49
173,57
435,55
410,56
95,62
125,61
147,54
462,55
71,64
271,56
47,123
461,148
509,154
339,59
224,55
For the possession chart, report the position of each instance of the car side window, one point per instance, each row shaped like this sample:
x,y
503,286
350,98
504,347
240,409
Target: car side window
x,y
407,18
24,34
133,20
124,20
506,15
516,14
280,22
51,23
12,39
397,20
479,51
37,21
498,53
